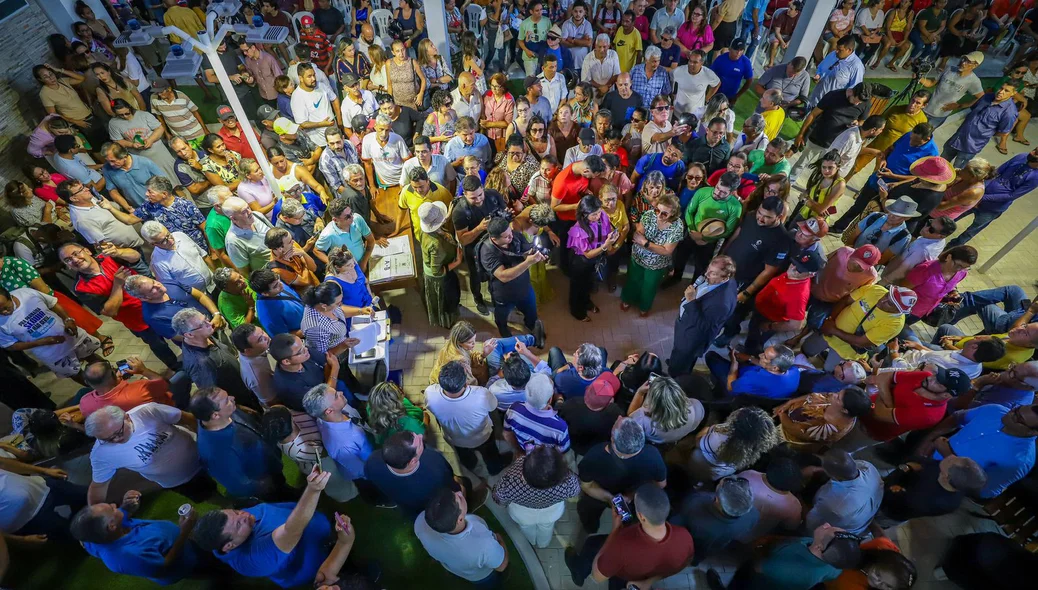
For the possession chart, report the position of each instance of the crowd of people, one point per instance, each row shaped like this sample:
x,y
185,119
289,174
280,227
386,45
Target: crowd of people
x,y
817,421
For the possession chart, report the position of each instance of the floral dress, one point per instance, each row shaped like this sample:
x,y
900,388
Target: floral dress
x,y
519,178
228,172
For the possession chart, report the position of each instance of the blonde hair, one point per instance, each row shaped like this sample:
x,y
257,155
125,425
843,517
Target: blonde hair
x,y
979,168
666,404
385,407
377,55
497,179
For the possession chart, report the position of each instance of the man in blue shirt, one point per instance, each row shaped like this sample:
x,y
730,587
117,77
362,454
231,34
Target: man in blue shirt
x,y
771,374
752,24
159,303
734,69
571,379
408,473
285,543
1000,440
669,163
154,549
994,115
893,165
278,307
232,450
1014,179
126,176
839,70
299,369
346,442
1010,388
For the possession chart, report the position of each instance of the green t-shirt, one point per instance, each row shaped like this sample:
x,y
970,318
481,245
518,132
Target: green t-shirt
x,y
411,421
790,564
532,32
216,226
234,308
704,206
758,166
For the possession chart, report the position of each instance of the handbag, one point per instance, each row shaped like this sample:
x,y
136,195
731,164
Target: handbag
x,y
944,313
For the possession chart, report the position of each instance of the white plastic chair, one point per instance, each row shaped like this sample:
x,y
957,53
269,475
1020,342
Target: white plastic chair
x,y
346,8
296,18
380,20
765,43
472,15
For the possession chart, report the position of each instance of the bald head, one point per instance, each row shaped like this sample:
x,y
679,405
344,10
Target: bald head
x,y
466,85
100,376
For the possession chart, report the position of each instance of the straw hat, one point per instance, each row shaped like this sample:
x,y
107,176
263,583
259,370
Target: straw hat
x,y
711,228
933,169
432,216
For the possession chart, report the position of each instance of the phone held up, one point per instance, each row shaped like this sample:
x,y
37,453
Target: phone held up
x,y
623,509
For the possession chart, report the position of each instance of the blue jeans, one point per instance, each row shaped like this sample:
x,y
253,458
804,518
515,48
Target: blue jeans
x,y
751,41
492,581
719,367
159,347
920,49
993,27
960,158
984,303
981,219
527,305
505,346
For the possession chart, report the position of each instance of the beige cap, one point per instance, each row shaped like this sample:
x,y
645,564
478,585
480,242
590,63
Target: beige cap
x,y
975,57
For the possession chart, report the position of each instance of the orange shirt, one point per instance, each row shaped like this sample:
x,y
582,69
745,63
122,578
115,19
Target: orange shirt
x,y
568,188
127,395
855,579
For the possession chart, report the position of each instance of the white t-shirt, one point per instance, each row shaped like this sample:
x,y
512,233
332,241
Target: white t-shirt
x,y
922,250
387,160
472,554
157,450
21,497
350,109
313,106
465,420
691,93
33,319
134,71
98,224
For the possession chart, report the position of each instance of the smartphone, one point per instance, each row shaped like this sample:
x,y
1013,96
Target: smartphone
x,y
622,509
882,184
652,377
123,366
319,468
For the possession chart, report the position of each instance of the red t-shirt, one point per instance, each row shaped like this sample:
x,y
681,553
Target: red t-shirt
x,y
568,188
784,299
50,193
911,412
96,290
633,555
320,48
745,186
127,395
237,143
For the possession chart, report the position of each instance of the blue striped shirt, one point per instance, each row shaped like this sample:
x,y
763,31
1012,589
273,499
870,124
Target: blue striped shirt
x,y
537,427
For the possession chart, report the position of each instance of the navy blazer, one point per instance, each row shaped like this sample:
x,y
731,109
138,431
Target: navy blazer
x,y
703,318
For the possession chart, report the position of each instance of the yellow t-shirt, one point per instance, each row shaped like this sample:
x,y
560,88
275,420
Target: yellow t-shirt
x,y
731,10
411,201
184,19
1014,354
879,326
773,122
627,48
899,123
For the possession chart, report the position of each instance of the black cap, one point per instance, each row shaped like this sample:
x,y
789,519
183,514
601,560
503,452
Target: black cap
x,y
586,136
737,45
956,380
808,261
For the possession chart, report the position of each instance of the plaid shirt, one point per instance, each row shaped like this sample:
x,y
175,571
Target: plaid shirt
x,y
539,189
332,164
322,332
650,89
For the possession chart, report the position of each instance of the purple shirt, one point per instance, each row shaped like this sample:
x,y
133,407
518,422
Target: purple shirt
x,y
580,242
982,123
1015,179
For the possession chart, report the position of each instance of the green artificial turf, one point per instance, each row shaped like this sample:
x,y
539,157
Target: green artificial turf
x,y
383,535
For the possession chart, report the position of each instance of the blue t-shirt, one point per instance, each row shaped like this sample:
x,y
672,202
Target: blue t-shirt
x,y
280,314
142,552
570,384
732,73
903,155
238,459
1003,396
669,57
285,106
160,315
259,557
754,380
413,491
1005,459
649,162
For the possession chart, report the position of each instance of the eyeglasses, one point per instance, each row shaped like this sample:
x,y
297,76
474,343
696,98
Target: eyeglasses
x,y
693,177
117,434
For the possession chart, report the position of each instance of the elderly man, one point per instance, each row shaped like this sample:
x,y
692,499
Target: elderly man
x,y
301,222
467,100
650,80
160,303
704,309
840,70
790,78
601,67
148,441
346,441
336,158
571,379
245,238
770,374
552,86
358,196
232,451
209,361
93,221
421,190
694,85
467,142
162,205
99,285
355,101
622,101
438,167
216,223
346,229
177,259
719,518
126,175
383,154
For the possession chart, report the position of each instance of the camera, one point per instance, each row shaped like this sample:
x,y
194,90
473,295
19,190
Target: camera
x,y
922,67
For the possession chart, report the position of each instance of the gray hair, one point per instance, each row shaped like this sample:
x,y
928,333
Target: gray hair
x,y
783,357
292,208
539,390
652,51
185,320
735,496
542,215
629,437
135,284
234,205
316,402
352,169
218,194
779,144
670,31
99,419
383,120
589,357
159,184
223,274
756,120
151,230
603,37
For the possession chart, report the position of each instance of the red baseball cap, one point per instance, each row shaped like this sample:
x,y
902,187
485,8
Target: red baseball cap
x,y
816,226
307,21
867,255
601,391
904,298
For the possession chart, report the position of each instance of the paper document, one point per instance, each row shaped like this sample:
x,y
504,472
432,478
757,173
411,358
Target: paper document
x,y
397,245
368,336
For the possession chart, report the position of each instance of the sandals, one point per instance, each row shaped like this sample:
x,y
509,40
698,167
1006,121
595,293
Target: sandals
x,y
1002,150
1022,141
107,346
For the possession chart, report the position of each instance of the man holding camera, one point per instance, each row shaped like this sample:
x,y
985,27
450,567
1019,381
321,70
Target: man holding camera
x,y
471,214
506,257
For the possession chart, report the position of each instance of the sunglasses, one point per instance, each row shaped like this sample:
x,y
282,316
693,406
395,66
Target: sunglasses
x,y
660,109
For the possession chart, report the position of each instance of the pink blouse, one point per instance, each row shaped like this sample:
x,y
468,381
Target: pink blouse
x,y
50,193
495,109
692,40
580,242
930,286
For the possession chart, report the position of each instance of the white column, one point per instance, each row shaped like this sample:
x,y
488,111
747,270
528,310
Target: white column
x,y
809,29
436,26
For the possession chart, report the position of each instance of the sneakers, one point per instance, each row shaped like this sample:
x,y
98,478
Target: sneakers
x,y
482,308
538,334
573,566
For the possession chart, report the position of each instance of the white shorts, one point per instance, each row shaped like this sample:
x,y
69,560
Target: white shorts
x,y
70,366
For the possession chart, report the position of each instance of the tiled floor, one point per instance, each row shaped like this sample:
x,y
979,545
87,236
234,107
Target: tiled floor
x,y
415,347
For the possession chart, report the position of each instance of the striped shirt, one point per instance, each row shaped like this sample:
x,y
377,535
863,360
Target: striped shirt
x,y
178,115
537,427
306,448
